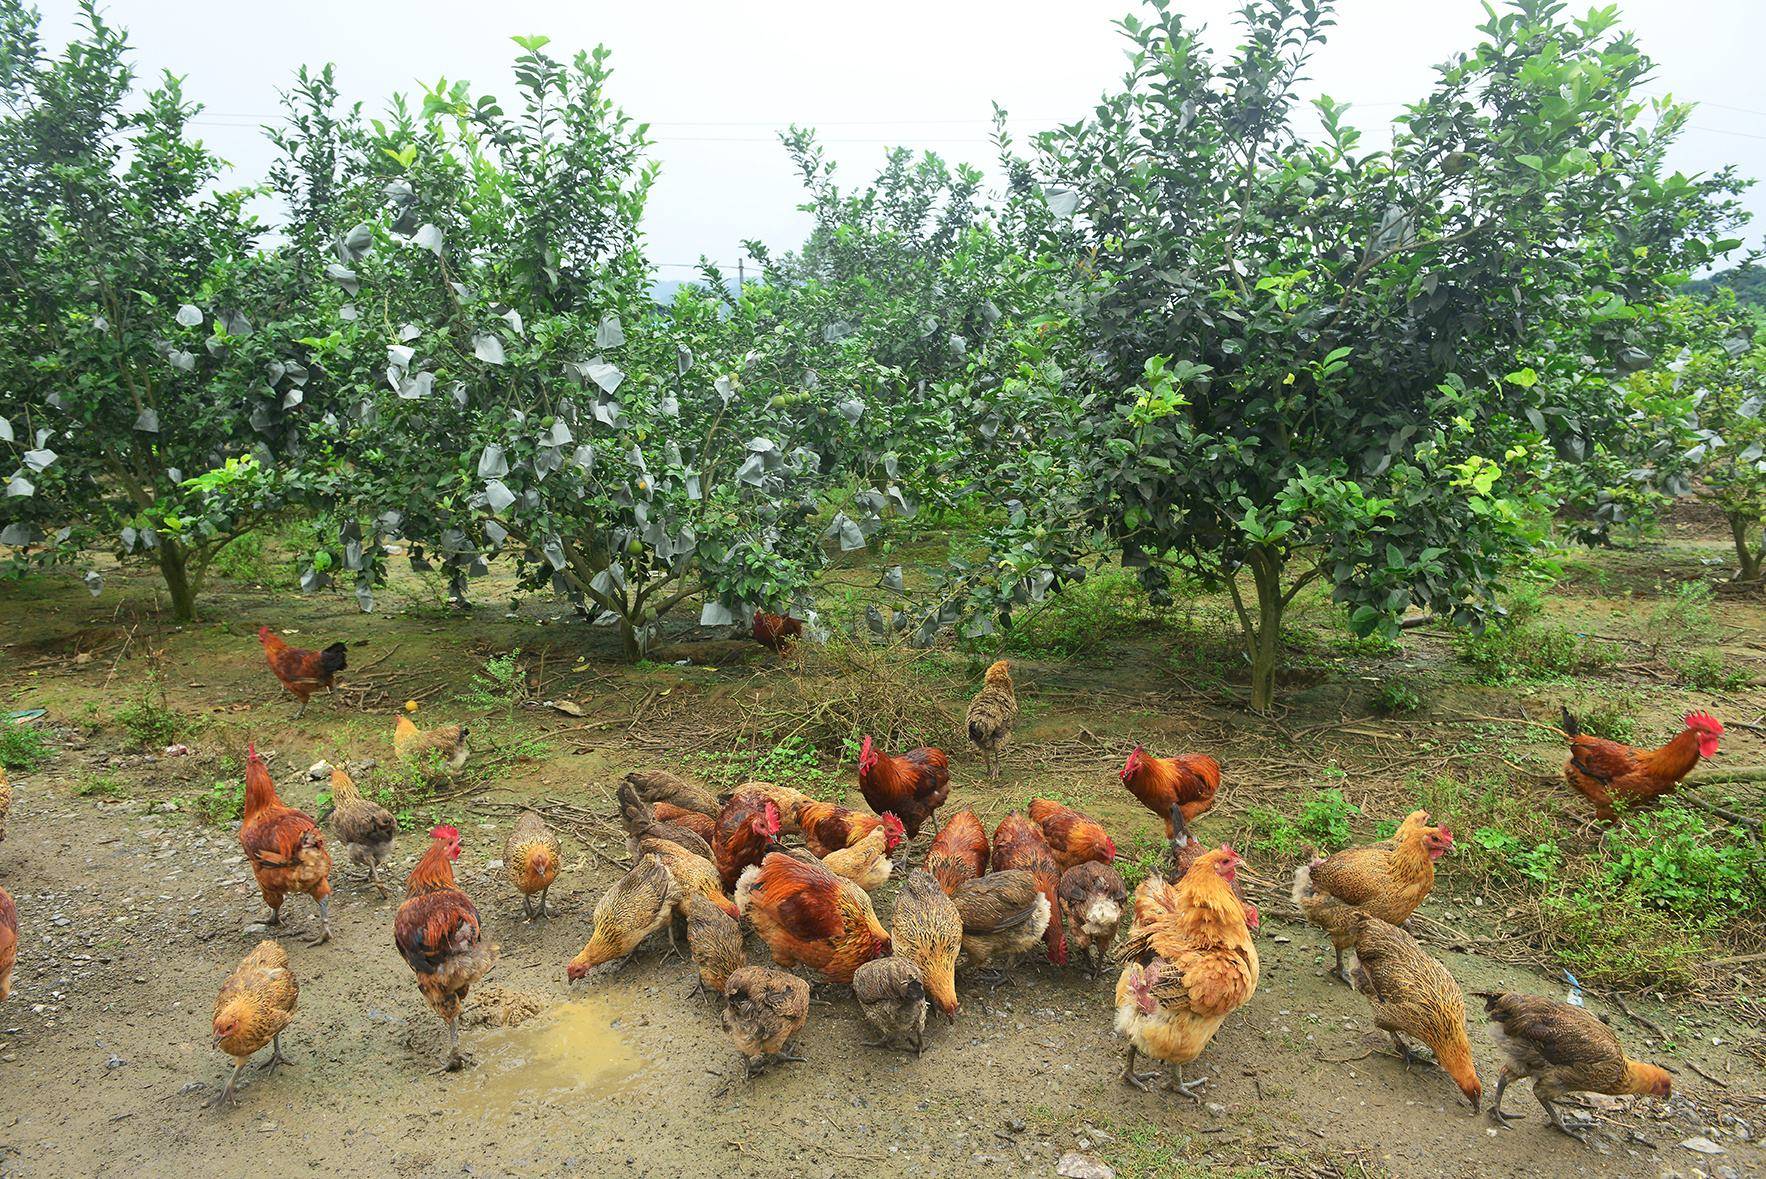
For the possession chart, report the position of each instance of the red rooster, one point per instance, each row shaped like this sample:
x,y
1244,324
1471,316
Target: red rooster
x,y
1605,771
775,631
808,915
1074,838
960,851
438,934
285,847
1188,781
911,786
301,672
1018,843
746,830
828,827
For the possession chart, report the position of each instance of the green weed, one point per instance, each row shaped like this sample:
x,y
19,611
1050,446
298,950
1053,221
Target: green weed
x,y
1706,671
500,686
241,559
101,786
1683,618
1524,646
23,747
1322,825
1396,698
222,804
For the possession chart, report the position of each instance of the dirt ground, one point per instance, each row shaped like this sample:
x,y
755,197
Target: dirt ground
x,y
133,911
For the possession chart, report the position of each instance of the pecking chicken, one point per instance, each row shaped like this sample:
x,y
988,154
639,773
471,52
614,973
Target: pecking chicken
x,y
638,817
715,941
364,827
1092,897
696,875
1189,781
1018,843
255,1004
960,852
992,714
660,786
891,992
285,848
1186,849
866,863
926,929
775,631
1413,995
1003,914
639,903
746,830
439,752
1565,1050
302,672
8,942
763,1009
1073,837
531,857
828,827
811,917
789,801
701,825
1389,881
1200,967
1605,772
910,786
438,934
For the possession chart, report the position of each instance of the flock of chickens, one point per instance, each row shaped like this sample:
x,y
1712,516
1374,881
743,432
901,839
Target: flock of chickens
x,y
974,905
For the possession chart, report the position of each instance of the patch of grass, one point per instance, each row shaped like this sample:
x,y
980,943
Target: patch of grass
x,y
150,723
1540,862
1322,825
1396,698
1524,646
101,786
222,804
793,761
241,559
1670,858
1143,858
1683,618
1618,941
500,686
23,747
1706,671
1609,718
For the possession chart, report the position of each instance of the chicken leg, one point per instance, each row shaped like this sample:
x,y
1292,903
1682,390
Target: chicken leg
x,y
1496,1114
276,1056
1188,1088
1141,1081
324,923
226,1095
302,709
1577,1130
544,894
455,1060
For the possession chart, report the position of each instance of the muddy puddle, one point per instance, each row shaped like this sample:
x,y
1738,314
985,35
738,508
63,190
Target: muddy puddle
x,y
575,1051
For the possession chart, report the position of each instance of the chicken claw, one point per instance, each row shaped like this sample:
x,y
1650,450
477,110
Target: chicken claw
x,y
1188,1088
276,1056
1141,1081
227,1096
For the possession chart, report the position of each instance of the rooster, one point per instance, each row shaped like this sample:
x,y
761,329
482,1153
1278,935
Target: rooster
x,y
763,1009
1389,881
1003,913
364,827
1414,995
1074,838
285,847
660,786
531,856
302,672
1200,967
1189,781
1605,771
827,827
926,928
438,934
255,1004
810,916
640,821
1092,897
911,786
775,631
1018,843
8,942
438,752
746,830
992,714
891,992
960,852
639,903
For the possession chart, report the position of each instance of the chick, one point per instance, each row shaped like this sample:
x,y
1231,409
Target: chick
x,y
892,994
927,930
715,941
255,1004
763,1009
531,856
364,827
1092,896
640,903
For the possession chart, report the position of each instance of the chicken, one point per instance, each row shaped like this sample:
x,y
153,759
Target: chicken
x,y
438,752
1202,968
1387,880
696,875
255,1004
1018,843
715,941
891,992
828,827
746,830
531,857
660,786
438,934
763,1009
640,822
639,903
5,802
1413,995
8,942
1186,849
960,852
1188,781
285,848
992,714
1605,772
701,825
790,802
1003,915
1073,837
1092,897
364,827
866,863
302,672
910,786
1565,1050
926,928
775,631
811,917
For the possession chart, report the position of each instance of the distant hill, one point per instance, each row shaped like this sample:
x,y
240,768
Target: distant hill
x,y
1748,282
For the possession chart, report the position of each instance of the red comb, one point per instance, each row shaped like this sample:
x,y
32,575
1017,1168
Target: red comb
x,y
445,832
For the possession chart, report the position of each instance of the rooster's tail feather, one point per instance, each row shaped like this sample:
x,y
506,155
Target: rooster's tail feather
x,y
1572,728
332,657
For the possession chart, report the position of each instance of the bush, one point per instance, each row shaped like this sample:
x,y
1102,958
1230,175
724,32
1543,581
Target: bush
x,y
150,723
1523,646
1669,858
1683,618
1615,940
1612,719
1323,823
501,686
23,747
1541,862
1396,698
1706,671
1107,605
242,559
223,803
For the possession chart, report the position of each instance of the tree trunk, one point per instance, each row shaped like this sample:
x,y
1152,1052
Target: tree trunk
x,y
174,566
628,635
1266,642
1750,558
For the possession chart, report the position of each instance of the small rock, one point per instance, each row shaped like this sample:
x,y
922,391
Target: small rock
x,y
1074,1165
319,770
1215,1109
256,928
115,1062
1015,1125
1703,1145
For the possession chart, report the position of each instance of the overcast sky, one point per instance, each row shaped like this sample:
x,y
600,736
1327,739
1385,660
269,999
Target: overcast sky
x,y
717,80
